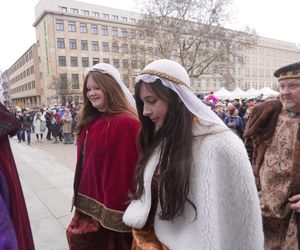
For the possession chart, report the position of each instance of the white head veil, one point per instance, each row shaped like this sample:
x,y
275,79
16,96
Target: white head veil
x,y
113,72
175,77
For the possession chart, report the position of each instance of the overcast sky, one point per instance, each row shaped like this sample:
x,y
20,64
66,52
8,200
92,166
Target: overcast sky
x,y
270,18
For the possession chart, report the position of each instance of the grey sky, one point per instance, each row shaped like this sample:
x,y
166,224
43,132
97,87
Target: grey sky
x,y
274,19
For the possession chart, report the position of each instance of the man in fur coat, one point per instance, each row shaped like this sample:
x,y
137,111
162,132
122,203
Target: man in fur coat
x,y
272,137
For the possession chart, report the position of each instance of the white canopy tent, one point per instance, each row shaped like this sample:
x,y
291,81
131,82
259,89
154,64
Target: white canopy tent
x,y
251,93
266,91
222,93
238,93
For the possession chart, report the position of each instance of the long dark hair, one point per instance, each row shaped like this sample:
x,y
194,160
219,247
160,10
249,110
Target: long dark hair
x,y
175,163
116,100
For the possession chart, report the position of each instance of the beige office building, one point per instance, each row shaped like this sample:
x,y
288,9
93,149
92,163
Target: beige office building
x,y
24,80
72,36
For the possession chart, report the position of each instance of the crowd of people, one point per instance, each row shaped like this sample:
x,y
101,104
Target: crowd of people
x,y
57,124
165,170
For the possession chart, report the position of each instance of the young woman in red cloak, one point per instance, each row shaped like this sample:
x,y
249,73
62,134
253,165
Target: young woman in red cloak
x,y
107,154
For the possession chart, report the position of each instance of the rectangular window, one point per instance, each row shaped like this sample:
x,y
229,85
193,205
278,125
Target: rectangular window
x,y
71,26
116,63
63,81
141,35
106,60
74,61
60,43
124,19
59,25
132,20
85,12
95,14
104,30
106,16
142,49
134,64
114,31
115,48
85,62
94,29
72,44
133,48
95,46
84,45
62,61
105,47
133,34
124,48
150,37
62,9
95,60
126,80
116,18
83,28
74,11
125,63
123,33
75,81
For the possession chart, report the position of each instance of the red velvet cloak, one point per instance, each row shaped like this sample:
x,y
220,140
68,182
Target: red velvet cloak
x,y
111,154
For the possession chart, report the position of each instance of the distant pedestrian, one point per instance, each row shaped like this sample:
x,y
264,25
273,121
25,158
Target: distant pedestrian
x,y
27,125
39,125
66,121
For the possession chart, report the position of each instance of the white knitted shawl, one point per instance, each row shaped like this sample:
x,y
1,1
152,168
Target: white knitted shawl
x,y
222,188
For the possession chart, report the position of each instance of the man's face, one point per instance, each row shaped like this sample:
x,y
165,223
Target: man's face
x,y
290,94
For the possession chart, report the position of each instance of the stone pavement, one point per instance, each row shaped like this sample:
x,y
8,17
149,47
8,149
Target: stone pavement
x,y
47,187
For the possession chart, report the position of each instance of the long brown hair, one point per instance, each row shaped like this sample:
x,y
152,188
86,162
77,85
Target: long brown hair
x,y
175,164
116,100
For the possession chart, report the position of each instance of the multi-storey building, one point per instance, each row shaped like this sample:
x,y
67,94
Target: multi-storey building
x,y
262,60
24,78
259,63
72,36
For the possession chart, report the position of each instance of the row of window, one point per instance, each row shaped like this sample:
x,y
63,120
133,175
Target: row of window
x,y
105,30
24,59
97,14
22,75
63,81
115,48
126,64
24,87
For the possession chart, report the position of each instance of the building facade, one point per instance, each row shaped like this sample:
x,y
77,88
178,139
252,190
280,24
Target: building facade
x,y
24,78
72,36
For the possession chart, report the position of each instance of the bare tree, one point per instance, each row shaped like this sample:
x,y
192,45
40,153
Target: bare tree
x,y
192,32
60,89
